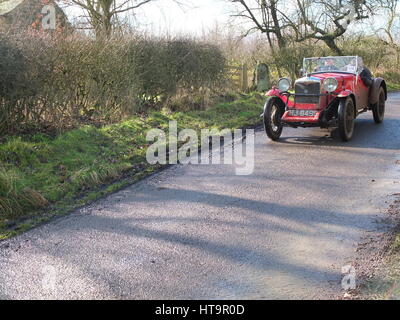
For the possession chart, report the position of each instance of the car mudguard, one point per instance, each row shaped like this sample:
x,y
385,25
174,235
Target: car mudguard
x,y
274,92
348,93
374,90
344,93
280,102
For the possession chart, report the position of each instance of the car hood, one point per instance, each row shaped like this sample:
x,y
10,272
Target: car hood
x,y
320,77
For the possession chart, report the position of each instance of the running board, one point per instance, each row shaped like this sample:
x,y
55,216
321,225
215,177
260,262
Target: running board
x,y
362,111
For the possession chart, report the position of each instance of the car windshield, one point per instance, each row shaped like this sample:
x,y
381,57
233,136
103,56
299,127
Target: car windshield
x,y
326,64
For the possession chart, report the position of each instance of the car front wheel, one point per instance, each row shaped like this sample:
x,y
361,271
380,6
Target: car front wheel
x,y
378,109
272,118
346,118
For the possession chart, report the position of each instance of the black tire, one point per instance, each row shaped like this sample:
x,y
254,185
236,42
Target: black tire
x,y
346,117
273,112
378,109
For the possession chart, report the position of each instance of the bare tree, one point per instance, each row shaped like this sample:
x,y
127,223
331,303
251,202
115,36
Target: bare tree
x,y
324,20
390,9
265,17
327,20
102,14
392,26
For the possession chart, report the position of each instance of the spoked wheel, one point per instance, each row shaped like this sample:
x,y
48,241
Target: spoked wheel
x,y
346,117
272,119
378,110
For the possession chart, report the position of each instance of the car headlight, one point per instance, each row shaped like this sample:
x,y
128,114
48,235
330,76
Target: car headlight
x,y
330,84
284,84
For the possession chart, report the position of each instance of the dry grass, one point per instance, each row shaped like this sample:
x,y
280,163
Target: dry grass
x,y
16,200
39,169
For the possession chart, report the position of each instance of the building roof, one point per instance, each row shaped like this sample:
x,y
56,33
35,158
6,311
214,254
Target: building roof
x,y
25,14
7,6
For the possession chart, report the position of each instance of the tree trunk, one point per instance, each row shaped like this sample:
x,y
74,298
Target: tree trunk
x,y
330,42
277,27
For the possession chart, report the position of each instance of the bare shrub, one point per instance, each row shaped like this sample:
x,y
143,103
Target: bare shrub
x,y
62,81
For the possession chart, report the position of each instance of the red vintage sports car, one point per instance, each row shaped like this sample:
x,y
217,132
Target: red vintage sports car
x,y
332,93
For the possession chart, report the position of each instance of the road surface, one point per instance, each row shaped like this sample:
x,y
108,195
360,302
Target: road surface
x,y
200,231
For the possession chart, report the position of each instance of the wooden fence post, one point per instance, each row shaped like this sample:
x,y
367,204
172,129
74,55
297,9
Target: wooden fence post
x,y
244,78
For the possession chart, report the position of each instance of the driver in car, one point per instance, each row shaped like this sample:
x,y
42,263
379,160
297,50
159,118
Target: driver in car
x,y
350,67
329,65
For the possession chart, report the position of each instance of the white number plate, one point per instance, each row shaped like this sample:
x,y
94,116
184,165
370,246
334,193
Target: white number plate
x,y
302,113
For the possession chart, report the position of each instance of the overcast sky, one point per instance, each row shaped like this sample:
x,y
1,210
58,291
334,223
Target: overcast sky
x,y
164,16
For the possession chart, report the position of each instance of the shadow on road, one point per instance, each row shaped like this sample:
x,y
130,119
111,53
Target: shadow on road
x,y
367,134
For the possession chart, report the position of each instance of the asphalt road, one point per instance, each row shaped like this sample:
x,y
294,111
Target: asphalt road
x,y
200,231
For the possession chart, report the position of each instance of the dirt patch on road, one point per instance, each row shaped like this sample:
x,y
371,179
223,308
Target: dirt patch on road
x,y
377,259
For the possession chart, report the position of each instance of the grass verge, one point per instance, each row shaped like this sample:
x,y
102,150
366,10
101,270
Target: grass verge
x,y
384,284
41,176
393,86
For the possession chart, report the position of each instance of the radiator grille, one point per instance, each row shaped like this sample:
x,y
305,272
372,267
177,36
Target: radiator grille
x,y
307,88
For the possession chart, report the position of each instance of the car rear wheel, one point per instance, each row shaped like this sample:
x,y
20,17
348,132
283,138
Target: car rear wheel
x,y
272,118
346,118
378,109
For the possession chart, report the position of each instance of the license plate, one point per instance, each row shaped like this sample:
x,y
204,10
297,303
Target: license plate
x,y
302,113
